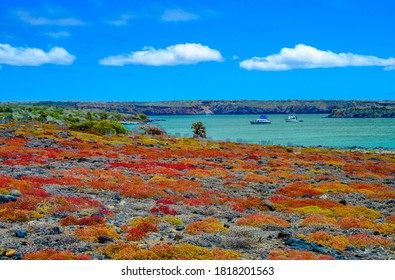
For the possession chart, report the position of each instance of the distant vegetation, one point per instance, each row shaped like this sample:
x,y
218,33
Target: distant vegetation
x,y
97,121
368,112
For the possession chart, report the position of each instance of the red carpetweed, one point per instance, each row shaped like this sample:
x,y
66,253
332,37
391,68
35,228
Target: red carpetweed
x,y
163,209
209,225
258,220
278,254
123,251
92,233
94,183
55,255
165,201
136,234
87,221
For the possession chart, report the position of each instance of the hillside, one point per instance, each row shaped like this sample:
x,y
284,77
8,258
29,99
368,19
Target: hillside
x,y
220,107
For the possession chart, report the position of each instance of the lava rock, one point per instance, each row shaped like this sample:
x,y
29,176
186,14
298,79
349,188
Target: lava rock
x,y
283,234
350,248
63,134
169,192
180,228
269,205
15,193
13,198
300,244
4,198
97,215
21,233
343,202
104,239
55,230
7,198
178,237
205,244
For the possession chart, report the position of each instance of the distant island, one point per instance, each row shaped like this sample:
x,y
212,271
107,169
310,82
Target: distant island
x,y
335,108
364,112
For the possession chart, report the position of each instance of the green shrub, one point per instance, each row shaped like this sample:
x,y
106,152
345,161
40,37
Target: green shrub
x,y
108,127
100,127
83,126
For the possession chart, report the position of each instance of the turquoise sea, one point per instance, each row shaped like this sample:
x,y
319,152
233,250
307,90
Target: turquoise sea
x,y
315,130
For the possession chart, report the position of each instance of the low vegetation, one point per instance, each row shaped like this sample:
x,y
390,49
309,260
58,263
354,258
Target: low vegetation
x,y
77,195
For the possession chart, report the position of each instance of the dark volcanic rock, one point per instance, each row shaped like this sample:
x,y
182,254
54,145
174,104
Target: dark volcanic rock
x,y
284,234
63,134
300,244
104,239
7,198
269,205
180,228
55,230
21,233
15,193
4,198
343,202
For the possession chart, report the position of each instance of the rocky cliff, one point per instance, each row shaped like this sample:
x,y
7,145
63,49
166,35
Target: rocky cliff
x,y
223,107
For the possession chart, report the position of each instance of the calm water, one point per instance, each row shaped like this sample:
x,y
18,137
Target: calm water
x,y
313,131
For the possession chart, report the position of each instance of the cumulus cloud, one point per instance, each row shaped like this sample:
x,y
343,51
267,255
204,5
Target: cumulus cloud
x,y
33,57
28,18
178,15
306,57
172,55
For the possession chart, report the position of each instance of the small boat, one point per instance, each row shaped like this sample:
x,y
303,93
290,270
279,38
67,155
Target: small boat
x,y
262,120
292,118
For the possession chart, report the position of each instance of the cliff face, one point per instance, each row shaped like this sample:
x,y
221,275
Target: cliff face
x,y
221,107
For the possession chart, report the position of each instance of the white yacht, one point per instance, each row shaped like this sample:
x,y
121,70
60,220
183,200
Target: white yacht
x,y
262,120
292,118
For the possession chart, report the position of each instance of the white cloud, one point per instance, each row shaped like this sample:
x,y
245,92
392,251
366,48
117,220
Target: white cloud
x,y
172,55
124,20
306,57
178,15
59,34
33,57
26,17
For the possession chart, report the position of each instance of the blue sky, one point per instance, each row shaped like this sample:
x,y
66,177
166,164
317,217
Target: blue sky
x,y
211,49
